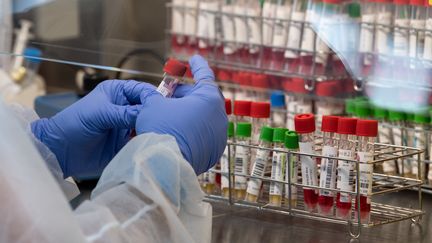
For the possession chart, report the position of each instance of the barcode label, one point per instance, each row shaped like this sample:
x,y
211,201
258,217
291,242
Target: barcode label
x,y
345,174
224,164
278,162
366,172
328,170
241,165
308,165
258,169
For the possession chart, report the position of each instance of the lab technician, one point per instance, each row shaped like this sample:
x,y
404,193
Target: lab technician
x,y
147,192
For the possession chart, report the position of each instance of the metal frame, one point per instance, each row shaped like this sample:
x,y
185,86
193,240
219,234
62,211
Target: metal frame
x,y
380,213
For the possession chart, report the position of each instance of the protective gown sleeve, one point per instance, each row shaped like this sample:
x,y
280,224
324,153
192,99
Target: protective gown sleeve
x,y
148,193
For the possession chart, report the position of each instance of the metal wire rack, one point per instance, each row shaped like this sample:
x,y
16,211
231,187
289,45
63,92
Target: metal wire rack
x,y
380,213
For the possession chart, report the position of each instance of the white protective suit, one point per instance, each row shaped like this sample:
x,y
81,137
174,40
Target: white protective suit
x,y
148,192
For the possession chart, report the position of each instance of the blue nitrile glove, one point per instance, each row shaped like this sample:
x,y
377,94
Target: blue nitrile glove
x,y
195,117
88,134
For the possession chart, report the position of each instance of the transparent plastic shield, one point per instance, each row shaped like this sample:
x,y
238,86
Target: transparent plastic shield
x,y
102,34
381,47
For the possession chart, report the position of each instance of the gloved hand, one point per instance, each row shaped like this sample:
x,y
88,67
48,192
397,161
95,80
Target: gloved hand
x,y
88,134
195,117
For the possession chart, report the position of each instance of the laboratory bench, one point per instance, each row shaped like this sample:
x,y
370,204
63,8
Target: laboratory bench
x,y
236,225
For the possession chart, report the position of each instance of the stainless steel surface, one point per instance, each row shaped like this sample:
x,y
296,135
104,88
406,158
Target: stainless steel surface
x,y
232,224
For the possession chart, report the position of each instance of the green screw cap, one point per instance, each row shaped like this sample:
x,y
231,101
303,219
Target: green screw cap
x,y
396,116
363,109
244,129
230,129
354,10
279,135
421,118
266,134
380,113
350,106
291,140
410,117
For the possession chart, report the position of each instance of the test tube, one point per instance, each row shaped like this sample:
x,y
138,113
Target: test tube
x,y
329,128
368,18
225,163
242,158
427,51
277,169
254,28
190,25
280,34
417,23
268,27
174,71
324,106
206,29
384,15
345,170
260,113
308,39
366,130
260,164
291,168
295,34
261,84
278,110
384,136
177,24
401,38
242,110
241,31
305,127
229,34
422,121
396,119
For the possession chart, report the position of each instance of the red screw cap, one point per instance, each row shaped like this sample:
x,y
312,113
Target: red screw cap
x,y
242,108
260,81
297,85
347,126
304,123
244,78
175,68
260,110
401,2
328,88
228,107
329,124
367,128
224,75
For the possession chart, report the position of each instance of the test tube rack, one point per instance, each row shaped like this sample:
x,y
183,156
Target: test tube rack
x,y
412,64
381,214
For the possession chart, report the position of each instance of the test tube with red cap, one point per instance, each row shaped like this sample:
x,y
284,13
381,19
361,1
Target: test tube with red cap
x,y
305,128
280,34
367,131
206,31
345,169
253,12
418,21
260,113
174,71
190,25
326,107
308,39
261,83
295,35
177,26
242,110
229,34
366,47
329,128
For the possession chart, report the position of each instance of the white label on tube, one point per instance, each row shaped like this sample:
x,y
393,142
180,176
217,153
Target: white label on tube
x,y
366,172
228,29
291,111
400,42
294,35
308,39
345,174
281,26
293,168
224,165
383,32
167,88
190,17
308,165
254,27
207,23
240,25
328,170
366,36
258,169
268,12
416,44
427,52
241,166
278,163
177,17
